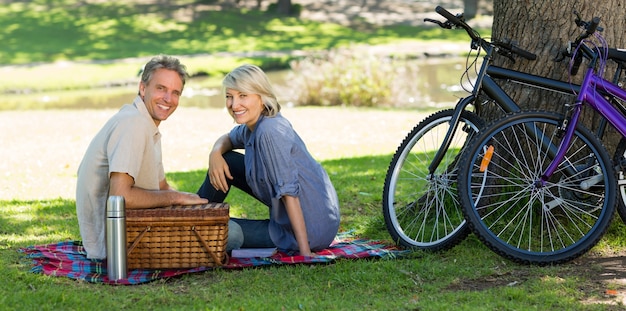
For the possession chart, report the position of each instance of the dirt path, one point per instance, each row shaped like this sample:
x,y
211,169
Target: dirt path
x,y
41,150
378,12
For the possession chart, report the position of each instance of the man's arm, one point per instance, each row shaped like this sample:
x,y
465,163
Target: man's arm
x,y
163,185
134,197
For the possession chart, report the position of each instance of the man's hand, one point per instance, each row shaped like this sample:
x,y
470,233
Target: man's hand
x,y
187,198
124,185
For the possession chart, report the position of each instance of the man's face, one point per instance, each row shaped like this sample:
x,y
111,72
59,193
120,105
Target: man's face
x,y
161,94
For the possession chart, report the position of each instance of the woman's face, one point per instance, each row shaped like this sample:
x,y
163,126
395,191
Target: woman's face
x,y
244,108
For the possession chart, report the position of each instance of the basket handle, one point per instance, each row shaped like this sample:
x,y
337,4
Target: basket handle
x,y
136,241
206,247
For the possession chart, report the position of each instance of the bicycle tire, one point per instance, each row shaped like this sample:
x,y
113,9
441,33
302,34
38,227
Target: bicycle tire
x,y
516,216
437,223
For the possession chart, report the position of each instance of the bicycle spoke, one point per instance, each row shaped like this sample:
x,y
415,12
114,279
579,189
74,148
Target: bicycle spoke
x,y
422,210
523,216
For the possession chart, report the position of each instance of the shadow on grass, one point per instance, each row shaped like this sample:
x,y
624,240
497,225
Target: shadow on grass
x,y
80,30
29,222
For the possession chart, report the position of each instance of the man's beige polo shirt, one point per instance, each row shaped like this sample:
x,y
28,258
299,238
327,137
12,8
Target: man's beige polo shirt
x,y
129,143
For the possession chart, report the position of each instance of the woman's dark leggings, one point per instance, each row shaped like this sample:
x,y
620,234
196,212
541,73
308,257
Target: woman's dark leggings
x,y
255,232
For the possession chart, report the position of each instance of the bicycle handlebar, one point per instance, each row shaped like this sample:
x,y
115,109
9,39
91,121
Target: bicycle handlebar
x,y
593,26
590,28
445,13
458,22
523,53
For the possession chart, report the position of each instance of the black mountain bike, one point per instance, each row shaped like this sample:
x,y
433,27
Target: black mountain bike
x,y
420,202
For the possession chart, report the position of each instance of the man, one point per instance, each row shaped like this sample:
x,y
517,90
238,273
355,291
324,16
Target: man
x,y
124,158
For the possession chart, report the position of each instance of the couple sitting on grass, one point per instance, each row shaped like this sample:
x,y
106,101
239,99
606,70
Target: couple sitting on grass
x,y
124,159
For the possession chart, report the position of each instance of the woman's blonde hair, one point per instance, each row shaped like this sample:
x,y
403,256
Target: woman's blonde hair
x,y
250,79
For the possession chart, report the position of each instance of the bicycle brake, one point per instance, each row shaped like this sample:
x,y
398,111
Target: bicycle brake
x,y
565,53
560,57
446,24
504,48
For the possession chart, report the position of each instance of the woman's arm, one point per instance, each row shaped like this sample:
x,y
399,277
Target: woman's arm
x,y
294,211
218,169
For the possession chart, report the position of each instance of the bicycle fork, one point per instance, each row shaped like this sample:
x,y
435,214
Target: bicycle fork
x,y
569,126
454,123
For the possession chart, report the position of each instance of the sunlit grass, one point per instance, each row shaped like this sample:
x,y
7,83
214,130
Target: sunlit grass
x,y
37,32
92,31
424,281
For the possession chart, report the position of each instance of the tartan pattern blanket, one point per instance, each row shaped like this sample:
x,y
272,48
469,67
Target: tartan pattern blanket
x,y
69,259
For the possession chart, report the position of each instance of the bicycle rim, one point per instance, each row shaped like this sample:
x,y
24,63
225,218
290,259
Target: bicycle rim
x,y
521,219
423,211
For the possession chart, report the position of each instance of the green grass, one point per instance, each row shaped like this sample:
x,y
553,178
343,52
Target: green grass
x,y
43,31
467,277
107,42
39,35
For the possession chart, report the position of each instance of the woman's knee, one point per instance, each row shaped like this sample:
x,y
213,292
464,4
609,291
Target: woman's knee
x,y
235,236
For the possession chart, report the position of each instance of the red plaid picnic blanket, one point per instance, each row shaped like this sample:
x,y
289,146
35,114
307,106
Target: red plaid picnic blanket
x,y
69,259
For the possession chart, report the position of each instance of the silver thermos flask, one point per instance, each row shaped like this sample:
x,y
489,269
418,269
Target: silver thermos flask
x,y
116,238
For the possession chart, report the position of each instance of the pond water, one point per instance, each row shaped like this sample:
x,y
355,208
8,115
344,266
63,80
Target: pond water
x,y
437,85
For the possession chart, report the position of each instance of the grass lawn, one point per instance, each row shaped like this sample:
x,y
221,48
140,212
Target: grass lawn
x,y
467,277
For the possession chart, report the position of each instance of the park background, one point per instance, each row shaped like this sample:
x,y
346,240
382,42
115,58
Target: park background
x,y
42,144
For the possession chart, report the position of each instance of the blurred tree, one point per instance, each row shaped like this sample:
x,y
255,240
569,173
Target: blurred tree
x,y
544,28
470,9
284,7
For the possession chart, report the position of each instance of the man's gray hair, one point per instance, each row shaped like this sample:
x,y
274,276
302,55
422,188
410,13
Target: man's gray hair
x,y
166,62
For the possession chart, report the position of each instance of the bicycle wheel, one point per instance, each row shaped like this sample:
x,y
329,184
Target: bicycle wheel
x,y
515,214
422,211
620,162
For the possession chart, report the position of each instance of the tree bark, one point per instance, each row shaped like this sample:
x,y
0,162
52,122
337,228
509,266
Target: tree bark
x,y
544,28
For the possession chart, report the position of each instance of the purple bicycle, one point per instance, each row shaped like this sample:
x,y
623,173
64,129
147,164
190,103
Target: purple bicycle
x,y
537,187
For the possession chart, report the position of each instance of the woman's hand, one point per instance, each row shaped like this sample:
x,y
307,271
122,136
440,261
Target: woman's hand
x,y
218,172
218,169
309,254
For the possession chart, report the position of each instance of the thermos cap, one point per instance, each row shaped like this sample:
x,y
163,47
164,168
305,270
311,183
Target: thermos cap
x,y
115,206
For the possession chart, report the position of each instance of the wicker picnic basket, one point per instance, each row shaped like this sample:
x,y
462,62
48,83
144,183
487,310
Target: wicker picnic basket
x,y
177,236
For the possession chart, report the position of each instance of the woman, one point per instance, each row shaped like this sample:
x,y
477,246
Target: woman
x,y
276,169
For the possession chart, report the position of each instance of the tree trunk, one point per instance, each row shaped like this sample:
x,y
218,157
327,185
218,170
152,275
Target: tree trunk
x,y
284,7
470,9
544,28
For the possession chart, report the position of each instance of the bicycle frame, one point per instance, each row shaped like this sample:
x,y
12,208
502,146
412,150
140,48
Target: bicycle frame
x,y
491,88
487,83
589,94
